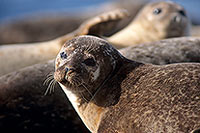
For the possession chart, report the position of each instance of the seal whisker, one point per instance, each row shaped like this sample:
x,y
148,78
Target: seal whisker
x,y
49,77
47,80
89,48
77,82
84,97
99,88
84,85
80,90
50,74
52,86
49,86
93,97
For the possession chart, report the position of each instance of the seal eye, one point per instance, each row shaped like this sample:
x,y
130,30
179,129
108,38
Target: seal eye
x,y
89,62
157,11
63,55
182,13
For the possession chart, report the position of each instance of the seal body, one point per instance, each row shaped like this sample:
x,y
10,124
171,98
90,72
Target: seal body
x,y
156,99
114,94
156,21
168,51
17,56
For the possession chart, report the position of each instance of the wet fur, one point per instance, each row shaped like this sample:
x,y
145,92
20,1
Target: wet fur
x,y
129,96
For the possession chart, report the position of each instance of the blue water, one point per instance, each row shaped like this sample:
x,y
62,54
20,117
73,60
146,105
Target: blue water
x,y
192,7
14,8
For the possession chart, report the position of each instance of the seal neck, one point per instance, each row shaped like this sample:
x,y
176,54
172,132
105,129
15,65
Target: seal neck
x,y
107,94
91,112
115,70
135,33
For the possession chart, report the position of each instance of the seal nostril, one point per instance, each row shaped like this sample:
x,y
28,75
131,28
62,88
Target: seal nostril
x,y
177,19
182,13
66,69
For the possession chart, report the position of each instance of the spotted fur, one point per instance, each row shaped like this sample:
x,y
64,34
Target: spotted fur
x,y
129,96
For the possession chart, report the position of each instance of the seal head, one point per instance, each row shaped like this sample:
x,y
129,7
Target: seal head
x,y
166,16
82,62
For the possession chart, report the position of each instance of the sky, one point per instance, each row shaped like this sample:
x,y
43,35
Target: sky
x,y
14,8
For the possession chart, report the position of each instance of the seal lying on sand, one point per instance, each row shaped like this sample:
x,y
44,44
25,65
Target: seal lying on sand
x,y
114,94
156,21
168,51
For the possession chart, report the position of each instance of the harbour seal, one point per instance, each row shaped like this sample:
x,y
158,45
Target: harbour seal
x,y
156,21
168,51
114,94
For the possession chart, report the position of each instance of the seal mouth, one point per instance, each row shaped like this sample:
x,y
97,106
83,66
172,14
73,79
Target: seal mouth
x,y
70,71
71,78
59,76
68,77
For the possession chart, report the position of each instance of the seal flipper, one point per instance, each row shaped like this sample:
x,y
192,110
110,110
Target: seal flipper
x,y
99,25
104,23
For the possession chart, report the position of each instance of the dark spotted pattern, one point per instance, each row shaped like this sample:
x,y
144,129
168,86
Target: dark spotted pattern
x,y
128,96
168,51
156,99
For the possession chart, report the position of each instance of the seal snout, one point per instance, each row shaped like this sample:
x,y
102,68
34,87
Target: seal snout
x,y
178,17
69,70
66,69
59,74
